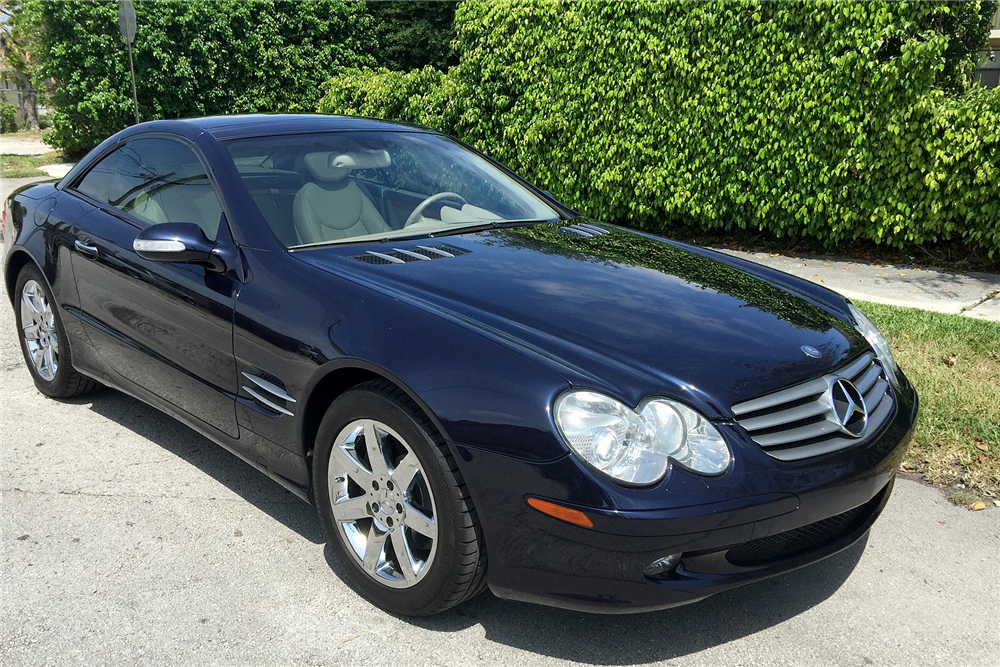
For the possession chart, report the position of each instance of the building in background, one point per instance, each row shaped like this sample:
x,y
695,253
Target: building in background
x,y
989,67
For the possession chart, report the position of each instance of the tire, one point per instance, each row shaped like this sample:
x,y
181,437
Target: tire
x,y
440,571
54,375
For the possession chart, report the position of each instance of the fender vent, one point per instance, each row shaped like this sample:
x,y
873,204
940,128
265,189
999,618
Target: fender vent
x,y
268,392
584,231
420,253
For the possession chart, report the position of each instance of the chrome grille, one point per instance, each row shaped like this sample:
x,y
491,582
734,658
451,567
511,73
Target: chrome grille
x,y
799,422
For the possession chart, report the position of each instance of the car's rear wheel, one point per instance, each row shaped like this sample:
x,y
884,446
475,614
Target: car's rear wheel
x,y
393,504
43,339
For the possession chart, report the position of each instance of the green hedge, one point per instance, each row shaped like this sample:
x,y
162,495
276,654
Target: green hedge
x,y
191,58
831,120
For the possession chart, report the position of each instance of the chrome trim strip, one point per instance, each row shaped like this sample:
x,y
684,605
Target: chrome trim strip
x,y
273,406
389,258
269,387
797,413
576,229
868,379
855,369
798,392
410,253
797,434
436,251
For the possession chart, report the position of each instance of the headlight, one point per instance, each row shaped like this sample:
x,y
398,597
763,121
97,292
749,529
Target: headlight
x,y
637,447
878,342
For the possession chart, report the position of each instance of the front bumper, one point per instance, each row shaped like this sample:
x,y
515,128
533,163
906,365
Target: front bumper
x,y
769,522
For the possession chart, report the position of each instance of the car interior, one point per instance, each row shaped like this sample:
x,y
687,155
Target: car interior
x,y
328,189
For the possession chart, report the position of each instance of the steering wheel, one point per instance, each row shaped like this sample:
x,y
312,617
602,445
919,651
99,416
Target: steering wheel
x,y
418,212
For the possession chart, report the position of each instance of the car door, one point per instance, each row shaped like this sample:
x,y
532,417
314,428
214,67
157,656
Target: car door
x,y
166,327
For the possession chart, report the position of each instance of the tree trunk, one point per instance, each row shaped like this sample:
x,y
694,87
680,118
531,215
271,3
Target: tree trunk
x,y
29,102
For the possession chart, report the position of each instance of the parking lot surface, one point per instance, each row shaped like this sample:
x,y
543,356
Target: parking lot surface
x,y
126,538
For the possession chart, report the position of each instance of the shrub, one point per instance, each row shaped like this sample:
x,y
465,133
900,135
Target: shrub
x,y
191,58
832,120
8,117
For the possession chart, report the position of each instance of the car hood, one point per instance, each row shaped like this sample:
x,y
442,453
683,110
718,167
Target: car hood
x,y
623,312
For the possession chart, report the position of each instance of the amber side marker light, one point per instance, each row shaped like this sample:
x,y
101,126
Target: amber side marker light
x,y
575,517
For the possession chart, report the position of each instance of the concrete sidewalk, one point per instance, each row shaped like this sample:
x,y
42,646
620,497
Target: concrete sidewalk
x,y
971,294
15,145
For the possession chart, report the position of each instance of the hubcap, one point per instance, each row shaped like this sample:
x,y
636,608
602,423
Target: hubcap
x,y
382,503
38,327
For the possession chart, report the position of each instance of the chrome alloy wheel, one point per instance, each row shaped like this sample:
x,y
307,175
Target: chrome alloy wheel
x,y
38,327
382,503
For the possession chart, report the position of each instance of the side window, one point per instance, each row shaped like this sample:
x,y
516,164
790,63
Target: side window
x,y
97,183
155,181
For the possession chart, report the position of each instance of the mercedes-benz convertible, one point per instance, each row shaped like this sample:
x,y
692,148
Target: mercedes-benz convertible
x,y
475,385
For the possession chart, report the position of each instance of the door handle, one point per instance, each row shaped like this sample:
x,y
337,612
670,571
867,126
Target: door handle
x,y
88,251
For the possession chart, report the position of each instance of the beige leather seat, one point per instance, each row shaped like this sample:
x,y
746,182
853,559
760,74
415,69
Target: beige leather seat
x,y
332,207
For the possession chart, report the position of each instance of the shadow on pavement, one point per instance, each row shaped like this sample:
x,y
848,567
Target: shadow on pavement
x,y
594,639
654,636
176,438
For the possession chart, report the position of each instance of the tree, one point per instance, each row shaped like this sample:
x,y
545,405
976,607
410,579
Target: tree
x,y
412,35
18,41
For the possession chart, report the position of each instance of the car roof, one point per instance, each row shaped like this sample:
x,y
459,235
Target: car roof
x,y
250,125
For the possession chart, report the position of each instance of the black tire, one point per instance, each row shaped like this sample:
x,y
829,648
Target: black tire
x,y
67,381
457,571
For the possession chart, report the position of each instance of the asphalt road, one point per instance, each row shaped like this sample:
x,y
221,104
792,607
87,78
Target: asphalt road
x,y
126,538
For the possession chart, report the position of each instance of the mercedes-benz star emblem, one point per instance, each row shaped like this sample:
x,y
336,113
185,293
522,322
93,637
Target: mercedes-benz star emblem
x,y
811,351
849,407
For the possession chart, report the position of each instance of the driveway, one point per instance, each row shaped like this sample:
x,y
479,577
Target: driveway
x,y
126,538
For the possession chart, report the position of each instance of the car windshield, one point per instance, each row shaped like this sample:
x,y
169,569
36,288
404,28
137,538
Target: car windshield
x,y
340,187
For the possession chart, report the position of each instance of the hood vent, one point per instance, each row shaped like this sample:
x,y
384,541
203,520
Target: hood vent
x,y
421,253
584,231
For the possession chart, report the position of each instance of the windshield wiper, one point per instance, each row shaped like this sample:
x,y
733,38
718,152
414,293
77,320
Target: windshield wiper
x,y
493,224
468,229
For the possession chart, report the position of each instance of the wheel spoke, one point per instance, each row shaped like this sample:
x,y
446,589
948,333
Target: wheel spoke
x,y
351,467
373,444
404,473
38,357
403,557
374,548
50,361
31,331
351,509
418,522
29,298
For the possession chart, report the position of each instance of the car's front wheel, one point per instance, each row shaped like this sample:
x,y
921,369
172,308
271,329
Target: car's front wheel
x,y
43,339
393,504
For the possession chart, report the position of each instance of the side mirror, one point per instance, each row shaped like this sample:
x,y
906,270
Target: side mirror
x,y
181,242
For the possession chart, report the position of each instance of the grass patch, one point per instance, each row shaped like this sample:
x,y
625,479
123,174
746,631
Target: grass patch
x,y
23,166
954,362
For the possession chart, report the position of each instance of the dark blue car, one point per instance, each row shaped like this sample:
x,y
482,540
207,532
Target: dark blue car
x,y
474,385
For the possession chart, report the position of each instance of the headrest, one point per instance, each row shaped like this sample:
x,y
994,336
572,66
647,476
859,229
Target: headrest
x,y
331,167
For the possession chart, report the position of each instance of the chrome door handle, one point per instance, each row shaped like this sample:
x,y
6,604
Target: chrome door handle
x,y
88,251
